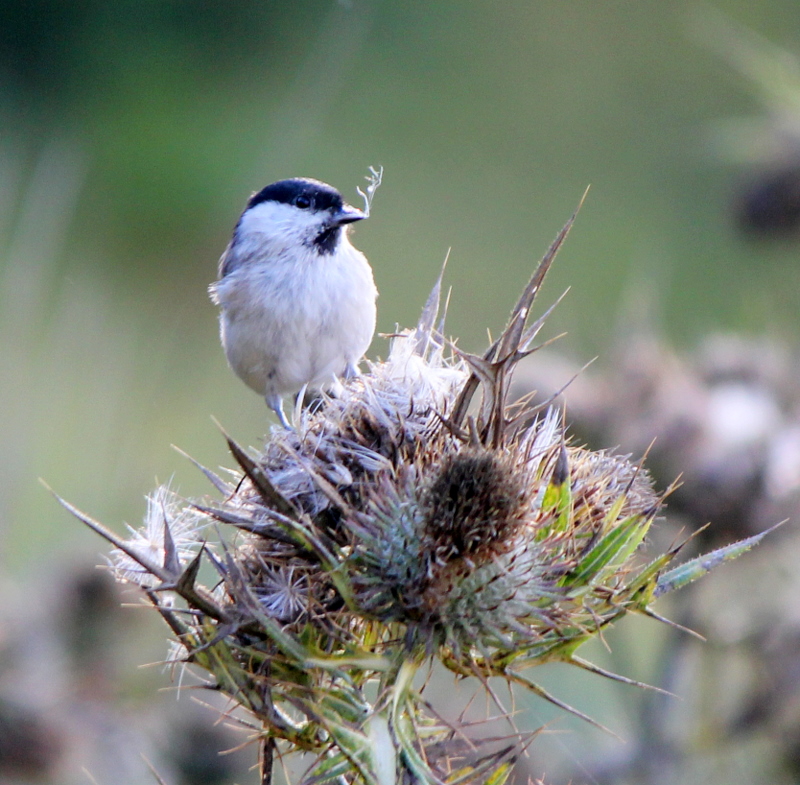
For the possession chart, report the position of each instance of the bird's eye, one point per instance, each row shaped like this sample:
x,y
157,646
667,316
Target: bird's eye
x,y
303,202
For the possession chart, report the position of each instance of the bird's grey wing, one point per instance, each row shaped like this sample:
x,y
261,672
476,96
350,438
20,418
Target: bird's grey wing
x,y
231,259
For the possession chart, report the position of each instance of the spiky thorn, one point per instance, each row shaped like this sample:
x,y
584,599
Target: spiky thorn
x,y
185,585
272,531
152,567
543,693
459,745
508,716
590,666
430,312
171,560
550,399
533,330
664,620
265,487
488,374
514,334
170,578
513,677
223,487
488,767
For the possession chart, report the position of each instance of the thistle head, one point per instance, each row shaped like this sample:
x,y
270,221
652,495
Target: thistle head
x,y
415,515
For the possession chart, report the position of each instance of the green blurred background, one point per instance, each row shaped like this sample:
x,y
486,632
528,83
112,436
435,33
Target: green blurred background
x,y
133,131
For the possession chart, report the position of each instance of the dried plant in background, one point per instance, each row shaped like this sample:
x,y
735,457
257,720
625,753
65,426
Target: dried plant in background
x,y
726,414
415,516
765,145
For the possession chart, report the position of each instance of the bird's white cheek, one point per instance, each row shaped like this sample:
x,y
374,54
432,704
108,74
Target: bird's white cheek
x,y
271,228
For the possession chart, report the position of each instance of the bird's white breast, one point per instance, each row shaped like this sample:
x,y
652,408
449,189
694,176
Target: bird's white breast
x,y
289,320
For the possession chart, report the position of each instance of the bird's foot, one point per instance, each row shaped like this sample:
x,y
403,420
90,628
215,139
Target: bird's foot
x,y
351,371
275,402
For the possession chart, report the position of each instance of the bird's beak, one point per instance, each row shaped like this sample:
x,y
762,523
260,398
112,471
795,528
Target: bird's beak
x,y
347,215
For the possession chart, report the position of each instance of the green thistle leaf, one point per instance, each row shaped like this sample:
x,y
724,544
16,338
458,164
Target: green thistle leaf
x,y
500,775
612,549
645,582
686,573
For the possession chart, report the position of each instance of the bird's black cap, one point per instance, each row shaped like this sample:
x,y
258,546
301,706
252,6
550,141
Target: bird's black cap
x,y
301,191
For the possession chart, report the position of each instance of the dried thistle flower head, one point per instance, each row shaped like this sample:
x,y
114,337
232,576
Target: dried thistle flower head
x,y
414,516
165,522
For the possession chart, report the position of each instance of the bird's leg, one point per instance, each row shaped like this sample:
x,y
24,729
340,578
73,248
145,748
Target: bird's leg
x,y
350,371
275,402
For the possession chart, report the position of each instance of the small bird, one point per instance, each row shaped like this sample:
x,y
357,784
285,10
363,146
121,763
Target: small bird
x,y
297,299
